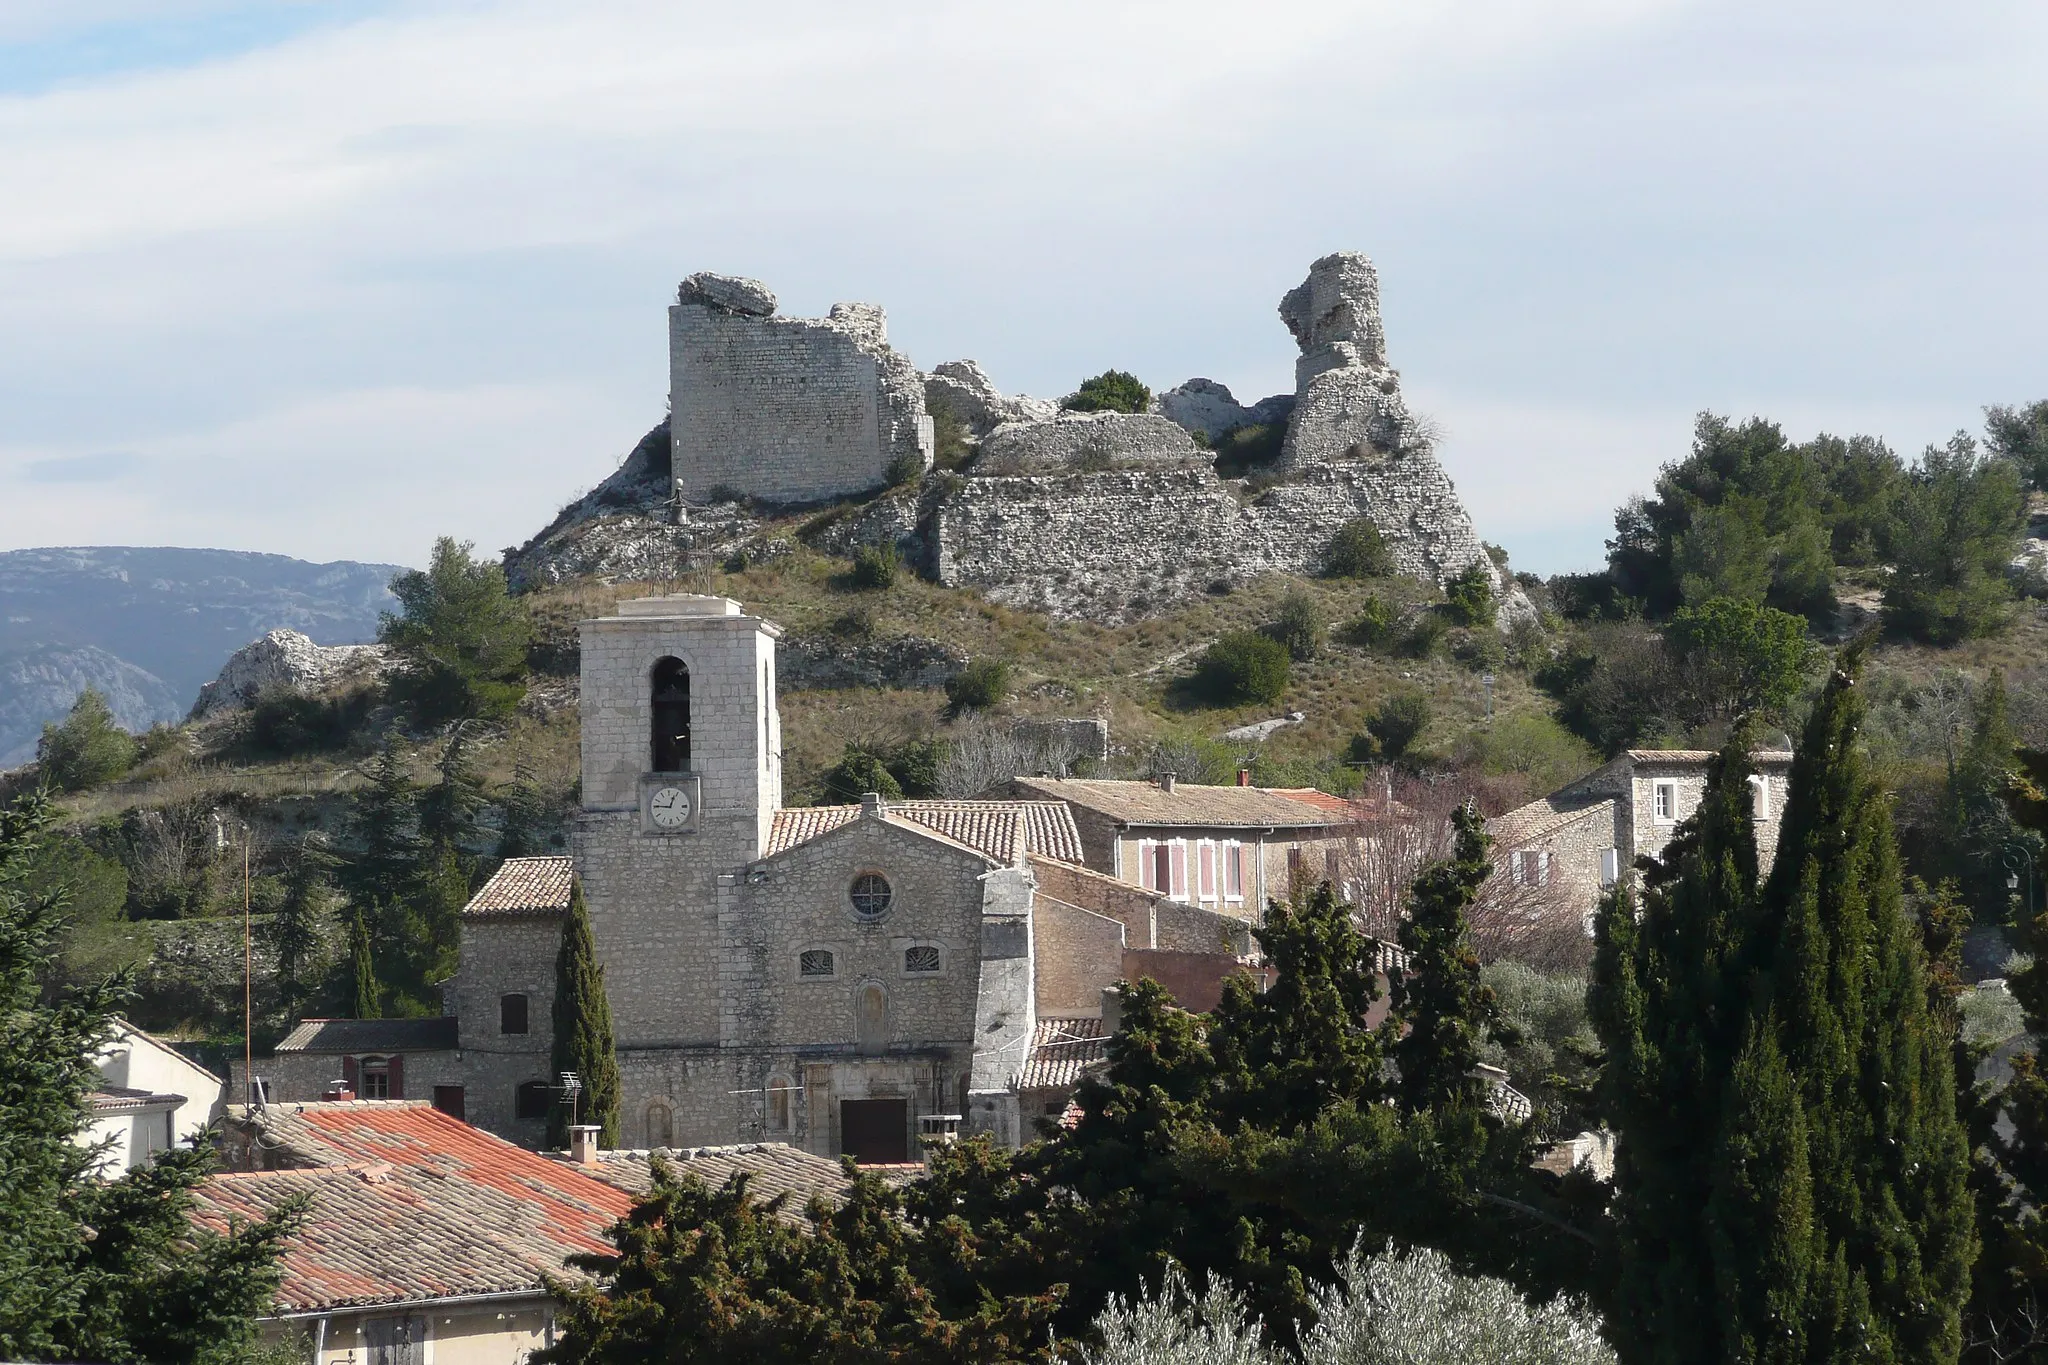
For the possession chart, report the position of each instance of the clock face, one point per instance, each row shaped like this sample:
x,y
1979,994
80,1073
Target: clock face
x,y
669,807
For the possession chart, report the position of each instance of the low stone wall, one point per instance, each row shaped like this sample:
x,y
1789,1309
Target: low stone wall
x,y
1086,442
824,663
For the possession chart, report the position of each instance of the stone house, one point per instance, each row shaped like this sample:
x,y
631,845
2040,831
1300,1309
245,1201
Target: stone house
x,y
150,1097
371,1059
1226,849
1575,842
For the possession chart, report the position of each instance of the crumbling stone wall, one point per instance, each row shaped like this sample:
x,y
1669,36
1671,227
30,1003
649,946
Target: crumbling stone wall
x,y
787,410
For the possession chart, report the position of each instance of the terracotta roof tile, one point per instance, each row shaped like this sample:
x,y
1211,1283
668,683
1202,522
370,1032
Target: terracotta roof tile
x,y
1062,1050
1145,803
525,886
408,1204
771,1168
992,828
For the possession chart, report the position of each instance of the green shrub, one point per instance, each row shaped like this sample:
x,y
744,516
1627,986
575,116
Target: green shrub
x,y
284,722
1482,651
87,749
915,766
1299,629
857,773
1398,723
1426,635
906,468
461,637
1246,448
1534,746
977,687
1375,625
1241,668
1468,598
874,567
1110,391
949,438
1358,550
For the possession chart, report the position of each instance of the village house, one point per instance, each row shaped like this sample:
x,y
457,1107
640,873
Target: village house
x,y
1228,849
1574,843
150,1097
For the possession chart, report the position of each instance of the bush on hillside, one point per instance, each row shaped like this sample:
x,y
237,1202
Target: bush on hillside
x,y
1299,629
1358,550
1242,668
87,749
1396,725
874,567
1375,624
1960,515
1110,391
1468,598
857,773
977,687
284,722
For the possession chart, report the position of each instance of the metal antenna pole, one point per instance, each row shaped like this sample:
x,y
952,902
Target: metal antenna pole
x,y
248,979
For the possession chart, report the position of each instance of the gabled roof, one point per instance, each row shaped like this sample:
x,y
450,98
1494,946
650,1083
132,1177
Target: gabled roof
x,y
1002,830
524,886
1062,1051
372,1035
771,1168
1147,803
1545,816
409,1205
1700,757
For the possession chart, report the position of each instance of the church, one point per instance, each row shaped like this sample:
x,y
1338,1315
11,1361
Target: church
x,y
840,978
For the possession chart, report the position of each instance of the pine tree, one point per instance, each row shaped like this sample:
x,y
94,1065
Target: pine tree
x,y
383,826
448,810
1437,996
94,1269
583,1029
363,971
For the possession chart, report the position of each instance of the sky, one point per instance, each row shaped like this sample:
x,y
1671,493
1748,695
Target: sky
x,y
332,279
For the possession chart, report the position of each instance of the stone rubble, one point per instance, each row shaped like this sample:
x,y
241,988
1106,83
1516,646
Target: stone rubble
x,y
286,658
1085,442
730,293
1206,408
965,389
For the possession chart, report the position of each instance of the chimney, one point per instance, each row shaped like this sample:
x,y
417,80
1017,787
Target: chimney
x,y
583,1148
1244,777
338,1090
1166,783
872,807
1112,1010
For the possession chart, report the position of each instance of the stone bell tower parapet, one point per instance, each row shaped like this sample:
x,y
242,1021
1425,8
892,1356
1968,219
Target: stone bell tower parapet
x,y
680,723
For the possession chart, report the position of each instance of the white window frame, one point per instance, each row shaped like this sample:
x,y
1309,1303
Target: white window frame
x,y
1610,866
1208,876
1760,796
1664,802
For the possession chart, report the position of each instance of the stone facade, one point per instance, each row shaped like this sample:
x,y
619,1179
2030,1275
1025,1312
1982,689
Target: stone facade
x,y
787,410
1575,842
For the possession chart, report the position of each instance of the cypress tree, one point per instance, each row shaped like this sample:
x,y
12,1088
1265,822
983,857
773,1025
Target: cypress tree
x,y
363,971
583,1029
1791,1178
1438,997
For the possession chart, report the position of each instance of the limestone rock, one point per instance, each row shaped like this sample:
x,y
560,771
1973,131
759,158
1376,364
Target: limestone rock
x,y
285,658
1338,305
823,663
965,389
730,293
1086,442
1203,407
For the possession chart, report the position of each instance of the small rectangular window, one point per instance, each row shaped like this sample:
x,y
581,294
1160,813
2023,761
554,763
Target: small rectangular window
x,y
815,962
920,960
532,1100
374,1079
1233,872
1610,866
1760,789
1207,864
1179,867
511,1014
1162,868
1666,798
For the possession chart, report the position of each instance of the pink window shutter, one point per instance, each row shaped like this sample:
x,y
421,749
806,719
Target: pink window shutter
x,y
1208,870
1180,870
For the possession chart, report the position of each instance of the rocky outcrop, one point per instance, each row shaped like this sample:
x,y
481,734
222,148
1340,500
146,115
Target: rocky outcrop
x,y
285,658
1206,408
963,388
728,293
1348,403
1085,442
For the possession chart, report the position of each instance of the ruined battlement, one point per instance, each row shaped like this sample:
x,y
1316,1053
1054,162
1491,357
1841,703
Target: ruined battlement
x,y
782,409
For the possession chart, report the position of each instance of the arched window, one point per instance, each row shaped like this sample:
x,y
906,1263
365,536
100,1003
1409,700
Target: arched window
x,y
661,1125
871,1018
781,1090
671,695
512,1014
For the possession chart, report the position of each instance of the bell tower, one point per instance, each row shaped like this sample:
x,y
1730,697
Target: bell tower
x,y
680,729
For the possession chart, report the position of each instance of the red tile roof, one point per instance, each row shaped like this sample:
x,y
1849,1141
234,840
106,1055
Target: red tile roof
x,y
992,828
525,886
408,1204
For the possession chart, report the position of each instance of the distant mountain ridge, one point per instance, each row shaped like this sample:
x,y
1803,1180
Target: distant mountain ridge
x,y
148,625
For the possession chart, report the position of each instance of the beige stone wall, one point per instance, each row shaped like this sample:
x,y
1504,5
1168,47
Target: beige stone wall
x,y
1079,955
1689,784
500,1332
502,956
